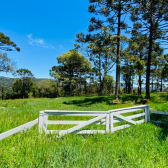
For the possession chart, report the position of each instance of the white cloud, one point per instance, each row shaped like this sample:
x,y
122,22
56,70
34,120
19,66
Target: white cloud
x,y
52,46
38,41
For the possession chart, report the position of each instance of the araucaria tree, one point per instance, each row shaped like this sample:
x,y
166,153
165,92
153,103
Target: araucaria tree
x,y
71,70
6,64
6,44
150,17
113,12
100,51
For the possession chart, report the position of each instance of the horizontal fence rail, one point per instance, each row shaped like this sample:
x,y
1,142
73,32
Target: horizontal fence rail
x,y
159,112
23,127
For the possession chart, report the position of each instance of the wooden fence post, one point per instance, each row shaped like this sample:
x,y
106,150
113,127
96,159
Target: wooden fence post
x,y
111,122
147,114
41,121
107,122
45,122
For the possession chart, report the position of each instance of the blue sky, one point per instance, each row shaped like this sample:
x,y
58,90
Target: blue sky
x,y
43,30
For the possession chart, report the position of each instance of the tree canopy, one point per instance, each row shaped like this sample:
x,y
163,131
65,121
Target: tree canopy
x,y
6,44
71,70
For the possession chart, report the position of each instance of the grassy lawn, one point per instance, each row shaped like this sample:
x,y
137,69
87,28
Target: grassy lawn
x,y
143,145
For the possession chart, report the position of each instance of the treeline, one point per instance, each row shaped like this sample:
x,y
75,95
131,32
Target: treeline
x,y
27,86
130,35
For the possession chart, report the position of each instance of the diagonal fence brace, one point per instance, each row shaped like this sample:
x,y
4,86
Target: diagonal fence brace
x,y
124,118
83,124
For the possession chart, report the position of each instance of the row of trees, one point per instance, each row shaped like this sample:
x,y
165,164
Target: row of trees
x,y
139,59
25,86
141,54
75,74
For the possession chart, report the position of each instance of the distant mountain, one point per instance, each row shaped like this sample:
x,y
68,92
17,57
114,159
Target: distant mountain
x,y
7,82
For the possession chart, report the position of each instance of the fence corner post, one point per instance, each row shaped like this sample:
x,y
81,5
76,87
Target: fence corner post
x,y
111,122
41,121
107,122
147,114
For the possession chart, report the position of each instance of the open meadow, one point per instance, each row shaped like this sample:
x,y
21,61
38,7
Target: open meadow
x,y
142,145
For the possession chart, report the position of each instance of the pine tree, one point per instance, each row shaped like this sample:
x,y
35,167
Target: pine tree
x,y
150,18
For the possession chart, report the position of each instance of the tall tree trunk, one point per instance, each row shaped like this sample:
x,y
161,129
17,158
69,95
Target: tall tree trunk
x,y
100,81
3,94
161,84
132,84
117,86
105,74
152,83
149,61
139,85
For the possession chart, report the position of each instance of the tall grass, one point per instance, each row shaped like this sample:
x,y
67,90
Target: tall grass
x,y
143,145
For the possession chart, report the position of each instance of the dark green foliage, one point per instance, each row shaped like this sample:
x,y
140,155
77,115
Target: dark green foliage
x,y
71,71
22,87
6,44
48,88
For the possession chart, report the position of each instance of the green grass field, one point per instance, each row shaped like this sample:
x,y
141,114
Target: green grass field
x,y
143,145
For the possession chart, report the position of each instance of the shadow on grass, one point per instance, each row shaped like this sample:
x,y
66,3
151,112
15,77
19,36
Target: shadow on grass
x,y
163,133
89,101
159,98
129,98
109,100
162,122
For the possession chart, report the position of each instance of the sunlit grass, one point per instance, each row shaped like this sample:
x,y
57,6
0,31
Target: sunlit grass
x,y
143,145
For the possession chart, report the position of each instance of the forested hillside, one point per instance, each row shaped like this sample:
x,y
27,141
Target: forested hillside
x,y
7,82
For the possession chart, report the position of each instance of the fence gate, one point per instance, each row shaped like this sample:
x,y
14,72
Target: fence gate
x,y
107,118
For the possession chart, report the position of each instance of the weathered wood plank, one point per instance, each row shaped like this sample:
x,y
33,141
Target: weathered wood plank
x,y
23,127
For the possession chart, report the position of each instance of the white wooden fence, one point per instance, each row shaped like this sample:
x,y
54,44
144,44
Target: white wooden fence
x,y
111,117
23,127
107,118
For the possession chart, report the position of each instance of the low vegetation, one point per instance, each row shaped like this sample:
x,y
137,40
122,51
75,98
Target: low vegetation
x,y
143,145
